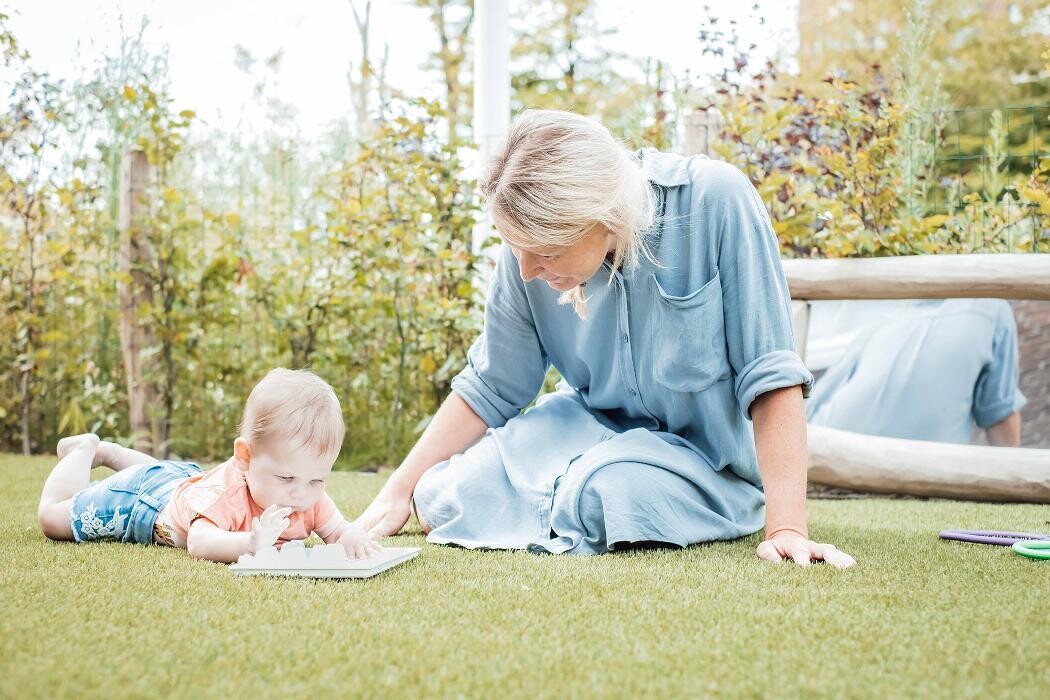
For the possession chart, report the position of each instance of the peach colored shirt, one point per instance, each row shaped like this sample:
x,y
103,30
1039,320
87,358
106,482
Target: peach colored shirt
x,y
221,495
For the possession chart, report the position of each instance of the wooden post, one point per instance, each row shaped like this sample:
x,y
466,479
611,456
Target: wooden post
x,y
699,131
491,109
135,291
1005,276
891,465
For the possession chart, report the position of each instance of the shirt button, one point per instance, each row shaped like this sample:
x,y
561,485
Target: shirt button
x,y
625,337
633,392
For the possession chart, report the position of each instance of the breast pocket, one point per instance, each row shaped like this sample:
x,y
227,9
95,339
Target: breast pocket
x,y
688,335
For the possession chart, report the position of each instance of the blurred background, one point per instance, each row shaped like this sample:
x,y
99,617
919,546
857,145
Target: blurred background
x,y
304,195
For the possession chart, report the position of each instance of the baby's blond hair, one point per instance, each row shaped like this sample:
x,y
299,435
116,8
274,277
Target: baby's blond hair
x,y
293,405
557,176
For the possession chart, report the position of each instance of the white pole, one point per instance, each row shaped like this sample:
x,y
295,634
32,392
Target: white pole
x,y
491,90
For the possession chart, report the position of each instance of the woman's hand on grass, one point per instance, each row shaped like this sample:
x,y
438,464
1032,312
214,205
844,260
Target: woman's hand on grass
x,y
453,429
387,514
803,551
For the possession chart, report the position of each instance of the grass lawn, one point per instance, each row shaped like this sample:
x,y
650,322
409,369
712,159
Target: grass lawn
x,y
917,617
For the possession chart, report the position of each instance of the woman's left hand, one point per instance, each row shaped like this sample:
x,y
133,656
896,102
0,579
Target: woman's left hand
x,y
803,551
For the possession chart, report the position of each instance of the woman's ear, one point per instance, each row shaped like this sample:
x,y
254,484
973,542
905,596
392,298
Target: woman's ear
x,y
242,454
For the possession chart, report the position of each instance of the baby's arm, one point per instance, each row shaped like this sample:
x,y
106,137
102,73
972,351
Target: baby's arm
x,y
208,541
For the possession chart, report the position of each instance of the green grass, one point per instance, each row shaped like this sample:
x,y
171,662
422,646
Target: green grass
x,y
917,617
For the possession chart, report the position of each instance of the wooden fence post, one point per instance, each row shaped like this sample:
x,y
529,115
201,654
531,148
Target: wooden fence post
x,y
699,131
135,291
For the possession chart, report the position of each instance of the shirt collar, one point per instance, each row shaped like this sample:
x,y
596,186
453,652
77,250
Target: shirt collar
x,y
664,169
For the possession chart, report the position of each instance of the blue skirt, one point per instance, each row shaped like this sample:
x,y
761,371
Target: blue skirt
x,y
556,480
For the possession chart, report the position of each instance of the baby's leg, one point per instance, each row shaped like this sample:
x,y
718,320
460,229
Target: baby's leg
x,y
71,475
107,454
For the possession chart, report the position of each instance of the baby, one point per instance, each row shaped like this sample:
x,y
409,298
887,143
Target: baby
x,y
271,491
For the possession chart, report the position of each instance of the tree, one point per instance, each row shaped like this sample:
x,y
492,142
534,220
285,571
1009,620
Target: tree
x,y
452,20
28,138
985,51
846,169
560,61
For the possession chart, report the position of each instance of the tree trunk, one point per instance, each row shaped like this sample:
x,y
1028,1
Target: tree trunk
x,y
135,292
27,408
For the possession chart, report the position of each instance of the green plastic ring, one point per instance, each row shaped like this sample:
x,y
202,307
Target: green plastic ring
x,y
1034,549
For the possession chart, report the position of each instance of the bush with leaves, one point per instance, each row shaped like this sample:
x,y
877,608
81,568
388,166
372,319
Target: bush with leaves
x,y
46,224
847,170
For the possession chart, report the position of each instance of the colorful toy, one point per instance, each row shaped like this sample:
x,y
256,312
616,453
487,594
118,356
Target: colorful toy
x,y
996,537
1032,549
1028,544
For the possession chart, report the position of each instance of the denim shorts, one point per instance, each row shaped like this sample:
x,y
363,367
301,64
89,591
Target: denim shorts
x,y
125,506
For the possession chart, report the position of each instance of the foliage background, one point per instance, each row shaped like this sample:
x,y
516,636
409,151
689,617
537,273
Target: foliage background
x,y
350,253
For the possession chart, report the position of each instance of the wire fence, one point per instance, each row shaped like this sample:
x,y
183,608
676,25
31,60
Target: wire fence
x,y
977,145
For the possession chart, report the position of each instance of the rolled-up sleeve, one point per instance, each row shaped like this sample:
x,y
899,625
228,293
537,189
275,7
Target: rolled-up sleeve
x,y
997,394
760,336
506,365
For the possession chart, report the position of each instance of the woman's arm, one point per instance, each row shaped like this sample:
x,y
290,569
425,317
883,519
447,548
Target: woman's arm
x,y
1007,432
505,368
780,442
454,428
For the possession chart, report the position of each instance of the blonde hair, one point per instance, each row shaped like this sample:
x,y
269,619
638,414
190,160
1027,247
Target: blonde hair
x,y
558,175
296,406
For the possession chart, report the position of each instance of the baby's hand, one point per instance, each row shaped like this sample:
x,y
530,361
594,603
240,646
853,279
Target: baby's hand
x,y
357,542
269,526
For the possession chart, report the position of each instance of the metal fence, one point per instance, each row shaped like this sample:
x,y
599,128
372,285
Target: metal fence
x,y
972,148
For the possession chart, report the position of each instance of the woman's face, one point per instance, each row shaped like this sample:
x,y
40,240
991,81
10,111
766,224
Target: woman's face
x,y
566,267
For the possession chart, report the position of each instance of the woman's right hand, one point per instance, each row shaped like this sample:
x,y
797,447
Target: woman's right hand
x,y
453,429
388,513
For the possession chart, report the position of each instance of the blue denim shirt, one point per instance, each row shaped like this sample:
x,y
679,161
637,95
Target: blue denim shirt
x,y
924,370
680,346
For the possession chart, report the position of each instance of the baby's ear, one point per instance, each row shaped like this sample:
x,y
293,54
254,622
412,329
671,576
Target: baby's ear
x,y
242,454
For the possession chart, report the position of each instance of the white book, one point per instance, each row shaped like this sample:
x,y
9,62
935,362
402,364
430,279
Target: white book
x,y
321,561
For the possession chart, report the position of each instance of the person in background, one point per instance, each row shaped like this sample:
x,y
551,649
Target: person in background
x,y
921,370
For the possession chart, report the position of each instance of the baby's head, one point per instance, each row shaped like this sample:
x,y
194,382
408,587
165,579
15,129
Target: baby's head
x,y
290,436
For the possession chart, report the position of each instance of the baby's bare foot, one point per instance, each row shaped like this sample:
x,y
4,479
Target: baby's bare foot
x,y
87,441
103,449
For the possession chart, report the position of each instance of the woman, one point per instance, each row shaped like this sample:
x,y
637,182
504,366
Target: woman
x,y
653,284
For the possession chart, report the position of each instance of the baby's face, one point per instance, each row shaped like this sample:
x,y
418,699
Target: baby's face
x,y
288,475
